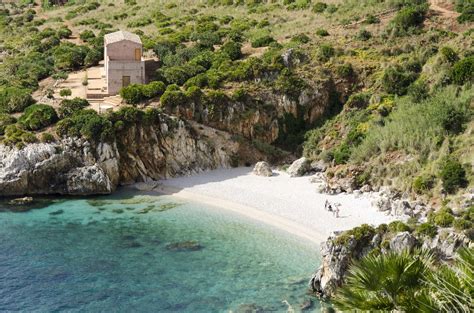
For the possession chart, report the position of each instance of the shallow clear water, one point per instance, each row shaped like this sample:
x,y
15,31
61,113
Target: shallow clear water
x,y
147,253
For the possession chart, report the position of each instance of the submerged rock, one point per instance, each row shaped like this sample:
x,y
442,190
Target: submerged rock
x,y
299,167
263,169
249,308
184,246
58,212
21,201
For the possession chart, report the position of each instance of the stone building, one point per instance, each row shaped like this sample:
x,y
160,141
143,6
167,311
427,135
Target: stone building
x,y
123,62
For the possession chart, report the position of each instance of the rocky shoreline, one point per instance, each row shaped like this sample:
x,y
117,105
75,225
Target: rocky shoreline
x,y
76,166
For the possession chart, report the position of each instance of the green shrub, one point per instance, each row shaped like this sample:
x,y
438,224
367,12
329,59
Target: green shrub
x,y
452,175
462,224
322,32
426,229
396,80
444,217
262,41
70,106
5,120
66,92
153,89
325,52
463,71
14,99
17,136
68,56
300,38
345,70
449,54
233,49
173,97
86,123
132,94
87,35
364,35
47,138
408,18
38,116
319,7
419,90
398,226
342,154
422,184
371,19
362,234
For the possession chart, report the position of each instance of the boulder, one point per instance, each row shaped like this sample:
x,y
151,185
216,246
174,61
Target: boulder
x,y
21,201
318,166
299,167
403,241
263,169
383,204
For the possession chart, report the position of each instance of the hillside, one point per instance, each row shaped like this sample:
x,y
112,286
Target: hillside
x,y
372,97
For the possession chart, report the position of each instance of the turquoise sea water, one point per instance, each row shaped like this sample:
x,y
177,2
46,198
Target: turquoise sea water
x,y
147,253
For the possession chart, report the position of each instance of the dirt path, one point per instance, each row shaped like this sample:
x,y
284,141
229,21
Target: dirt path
x,y
443,8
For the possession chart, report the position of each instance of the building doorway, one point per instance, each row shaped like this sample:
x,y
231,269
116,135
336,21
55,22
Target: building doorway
x,y
138,54
125,81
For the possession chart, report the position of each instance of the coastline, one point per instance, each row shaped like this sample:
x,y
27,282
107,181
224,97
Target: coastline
x,y
292,204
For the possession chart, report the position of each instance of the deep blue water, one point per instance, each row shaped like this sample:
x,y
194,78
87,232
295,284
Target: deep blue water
x,y
144,253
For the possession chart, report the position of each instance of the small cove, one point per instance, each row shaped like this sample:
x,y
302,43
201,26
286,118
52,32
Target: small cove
x,y
140,252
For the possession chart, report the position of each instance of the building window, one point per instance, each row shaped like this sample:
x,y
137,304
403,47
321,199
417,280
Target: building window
x,y
138,55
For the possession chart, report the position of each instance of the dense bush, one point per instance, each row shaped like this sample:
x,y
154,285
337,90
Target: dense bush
x,y
132,94
426,229
153,89
70,106
322,32
17,136
319,7
47,138
443,217
86,123
68,56
66,92
452,175
233,49
5,120
395,80
325,52
38,116
14,99
422,184
173,96
463,71
408,18
262,41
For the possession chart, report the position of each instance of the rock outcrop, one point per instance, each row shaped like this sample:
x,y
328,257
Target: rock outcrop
x,y
299,167
75,166
342,249
263,169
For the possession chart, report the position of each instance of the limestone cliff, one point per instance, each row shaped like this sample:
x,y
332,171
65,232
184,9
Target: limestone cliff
x,y
76,166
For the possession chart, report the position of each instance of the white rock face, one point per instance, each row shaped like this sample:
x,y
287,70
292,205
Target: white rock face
x,y
299,167
147,153
263,169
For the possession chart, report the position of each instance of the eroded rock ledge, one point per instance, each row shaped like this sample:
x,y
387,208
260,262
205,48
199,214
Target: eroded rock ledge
x,y
75,166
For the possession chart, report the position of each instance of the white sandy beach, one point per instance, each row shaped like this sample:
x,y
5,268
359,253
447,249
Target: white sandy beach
x,y
292,204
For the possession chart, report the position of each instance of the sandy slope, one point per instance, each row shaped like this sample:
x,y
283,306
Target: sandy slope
x,y
292,204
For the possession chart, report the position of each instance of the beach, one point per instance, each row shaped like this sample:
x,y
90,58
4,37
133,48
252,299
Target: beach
x,y
289,203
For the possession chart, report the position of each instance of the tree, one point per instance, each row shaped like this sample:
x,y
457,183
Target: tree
x,y
453,175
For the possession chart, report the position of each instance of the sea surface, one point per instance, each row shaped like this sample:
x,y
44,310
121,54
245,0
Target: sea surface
x,y
145,253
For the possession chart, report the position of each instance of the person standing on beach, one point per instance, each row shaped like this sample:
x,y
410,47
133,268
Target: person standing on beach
x,y
336,211
326,204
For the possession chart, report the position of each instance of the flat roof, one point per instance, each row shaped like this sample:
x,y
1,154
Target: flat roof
x,y
121,35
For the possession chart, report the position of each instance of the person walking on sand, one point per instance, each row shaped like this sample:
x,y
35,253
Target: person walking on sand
x,y
336,211
326,204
